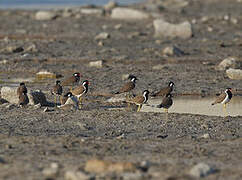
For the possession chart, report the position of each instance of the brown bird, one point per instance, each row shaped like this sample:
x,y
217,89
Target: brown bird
x,y
128,86
164,91
224,98
166,103
72,81
68,99
21,89
139,100
81,90
23,100
57,91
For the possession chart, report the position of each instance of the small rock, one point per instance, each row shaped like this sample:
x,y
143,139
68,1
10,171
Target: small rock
x,y
118,26
132,176
128,14
125,76
100,43
234,20
102,35
31,48
93,11
10,106
45,75
45,15
76,175
165,29
201,170
110,5
52,171
205,136
229,62
21,31
97,64
159,67
37,106
234,73
210,29
3,61
174,4
172,51
101,166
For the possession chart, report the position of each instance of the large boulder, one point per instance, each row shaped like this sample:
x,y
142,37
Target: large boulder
x,y
45,15
234,73
35,96
167,30
128,14
230,62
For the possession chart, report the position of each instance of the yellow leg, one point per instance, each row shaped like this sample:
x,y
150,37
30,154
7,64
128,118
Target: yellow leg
x,y
225,110
80,102
139,107
166,110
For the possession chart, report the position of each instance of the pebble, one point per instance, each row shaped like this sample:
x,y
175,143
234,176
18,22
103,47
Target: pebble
x,y
31,48
118,26
174,4
205,136
172,51
110,5
168,30
201,170
227,63
128,14
93,11
52,171
3,61
77,175
45,75
234,73
102,35
45,15
97,64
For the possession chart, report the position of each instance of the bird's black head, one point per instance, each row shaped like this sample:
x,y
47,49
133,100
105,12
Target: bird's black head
x,y
22,84
132,78
77,74
171,84
57,82
86,82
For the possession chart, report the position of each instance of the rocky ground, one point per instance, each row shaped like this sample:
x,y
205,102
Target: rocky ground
x,y
59,144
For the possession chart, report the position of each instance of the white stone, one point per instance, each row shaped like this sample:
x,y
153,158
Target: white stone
x,y
102,35
45,15
205,136
97,64
110,5
45,75
234,73
172,51
76,175
201,170
116,99
128,14
91,11
174,4
227,63
165,29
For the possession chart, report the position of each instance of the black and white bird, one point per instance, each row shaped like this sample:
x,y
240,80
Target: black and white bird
x,y
166,103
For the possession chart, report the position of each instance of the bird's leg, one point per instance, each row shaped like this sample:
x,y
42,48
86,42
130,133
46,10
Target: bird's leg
x,y
166,110
55,101
225,110
139,107
80,102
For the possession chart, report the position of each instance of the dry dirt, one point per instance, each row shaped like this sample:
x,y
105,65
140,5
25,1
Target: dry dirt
x,y
30,139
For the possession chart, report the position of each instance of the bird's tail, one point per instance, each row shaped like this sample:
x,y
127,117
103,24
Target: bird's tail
x,y
212,104
117,93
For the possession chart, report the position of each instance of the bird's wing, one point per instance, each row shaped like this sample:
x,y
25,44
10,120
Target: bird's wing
x,y
127,87
220,98
78,90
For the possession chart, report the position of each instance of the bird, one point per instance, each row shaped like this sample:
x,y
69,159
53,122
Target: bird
x,y
129,86
72,81
69,99
22,89
166,102
139,100
79,91
23,100
164,91
224,98
57,90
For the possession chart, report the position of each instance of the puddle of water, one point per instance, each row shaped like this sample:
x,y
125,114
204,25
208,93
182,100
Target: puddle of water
x,y
198,105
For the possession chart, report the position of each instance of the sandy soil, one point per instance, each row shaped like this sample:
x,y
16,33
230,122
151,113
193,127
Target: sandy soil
x,y
32,139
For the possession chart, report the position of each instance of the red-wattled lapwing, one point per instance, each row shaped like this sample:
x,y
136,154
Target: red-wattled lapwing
x,y
21,89
224,98
68,99
57,91
23,100
139,100
164,91
129,86
166,103
72,81
80,90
